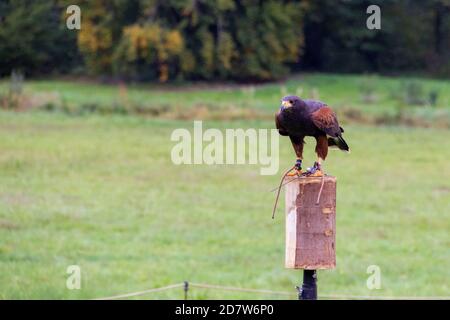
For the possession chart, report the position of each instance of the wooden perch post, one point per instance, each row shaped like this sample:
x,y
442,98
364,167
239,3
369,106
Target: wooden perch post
x,y
310,228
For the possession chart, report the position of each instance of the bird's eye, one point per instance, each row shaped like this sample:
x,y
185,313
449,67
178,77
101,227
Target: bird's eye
x,y
291,102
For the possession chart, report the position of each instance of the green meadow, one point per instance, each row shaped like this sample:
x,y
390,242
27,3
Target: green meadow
x,y
101,192
370,95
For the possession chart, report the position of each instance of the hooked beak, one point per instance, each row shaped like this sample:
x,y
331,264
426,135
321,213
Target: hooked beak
x,y
286,104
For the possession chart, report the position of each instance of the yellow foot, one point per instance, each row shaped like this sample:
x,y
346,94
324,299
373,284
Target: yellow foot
x,y
318,173
294,172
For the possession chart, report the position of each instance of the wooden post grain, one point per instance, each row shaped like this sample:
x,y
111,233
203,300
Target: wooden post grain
x,y
311,226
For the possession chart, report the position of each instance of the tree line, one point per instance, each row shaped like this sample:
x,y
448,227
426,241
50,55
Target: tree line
x,y
242,40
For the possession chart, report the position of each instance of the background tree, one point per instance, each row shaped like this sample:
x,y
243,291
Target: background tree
x,y
33,39
243,40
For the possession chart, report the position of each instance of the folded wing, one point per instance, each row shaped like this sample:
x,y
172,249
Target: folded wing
x,y
325,119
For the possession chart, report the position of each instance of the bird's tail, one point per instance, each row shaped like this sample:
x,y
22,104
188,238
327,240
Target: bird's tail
x,y
338,142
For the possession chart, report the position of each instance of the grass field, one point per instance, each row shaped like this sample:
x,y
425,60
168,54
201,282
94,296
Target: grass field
x,y
342,92
101,192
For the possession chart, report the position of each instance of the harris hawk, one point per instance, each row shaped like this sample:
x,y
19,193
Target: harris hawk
x,y
298,118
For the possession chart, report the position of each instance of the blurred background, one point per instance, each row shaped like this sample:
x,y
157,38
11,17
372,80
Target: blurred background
x,y
85,123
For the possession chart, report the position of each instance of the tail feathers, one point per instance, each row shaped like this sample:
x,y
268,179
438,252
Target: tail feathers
x,y
338,142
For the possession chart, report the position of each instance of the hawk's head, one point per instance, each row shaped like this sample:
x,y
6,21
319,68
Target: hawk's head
x,y
290,101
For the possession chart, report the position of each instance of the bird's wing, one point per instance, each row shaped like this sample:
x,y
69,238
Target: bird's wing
x,y
280,128
314,105
325,119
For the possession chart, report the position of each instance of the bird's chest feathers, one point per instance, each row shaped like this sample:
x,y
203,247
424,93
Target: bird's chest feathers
x,y
297,121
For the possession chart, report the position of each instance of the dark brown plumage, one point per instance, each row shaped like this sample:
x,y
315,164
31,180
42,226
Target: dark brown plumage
x,y
299,118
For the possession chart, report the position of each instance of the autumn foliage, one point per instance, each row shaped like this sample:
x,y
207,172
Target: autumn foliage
x,y
243,40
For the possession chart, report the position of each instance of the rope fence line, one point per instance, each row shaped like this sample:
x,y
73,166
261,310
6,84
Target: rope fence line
x,y
186,285
140,293
237,289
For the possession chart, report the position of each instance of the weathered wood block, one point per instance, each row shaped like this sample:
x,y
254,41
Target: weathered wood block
x,y
311,226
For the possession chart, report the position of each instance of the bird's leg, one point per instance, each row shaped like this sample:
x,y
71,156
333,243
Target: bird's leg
x,y
297,143
297,170
322,151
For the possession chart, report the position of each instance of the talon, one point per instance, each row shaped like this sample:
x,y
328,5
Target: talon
x,y
294,172
297,171
317,173
314,171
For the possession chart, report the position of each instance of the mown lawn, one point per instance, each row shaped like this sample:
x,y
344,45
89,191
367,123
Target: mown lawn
x,y
101,192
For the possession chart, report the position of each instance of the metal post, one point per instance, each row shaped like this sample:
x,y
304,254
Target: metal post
x,y
308,291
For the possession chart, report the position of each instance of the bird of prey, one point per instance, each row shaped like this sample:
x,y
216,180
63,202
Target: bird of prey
x,y
298,119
